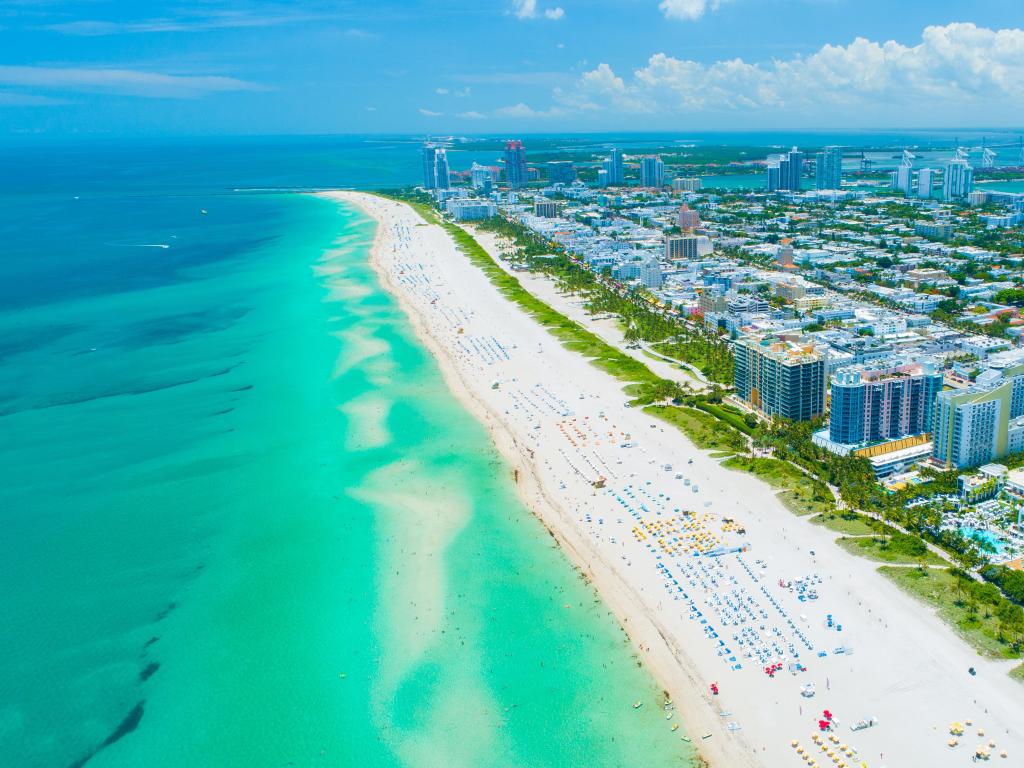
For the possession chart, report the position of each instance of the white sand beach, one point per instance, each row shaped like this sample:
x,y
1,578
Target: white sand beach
x,y
697,621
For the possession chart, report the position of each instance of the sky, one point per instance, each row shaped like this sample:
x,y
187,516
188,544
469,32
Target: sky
x,y
149,67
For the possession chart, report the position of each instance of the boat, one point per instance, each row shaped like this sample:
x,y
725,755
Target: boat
x,y
706,735
637,704
675,727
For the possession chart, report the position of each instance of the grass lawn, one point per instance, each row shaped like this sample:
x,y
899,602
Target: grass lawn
x,y
891,549
703,429
850,523
800,494
939,589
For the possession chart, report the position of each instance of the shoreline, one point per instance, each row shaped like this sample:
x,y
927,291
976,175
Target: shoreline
x,y
906,659
670,668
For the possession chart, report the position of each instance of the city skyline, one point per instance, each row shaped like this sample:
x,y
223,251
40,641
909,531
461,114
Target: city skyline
x,y
255,67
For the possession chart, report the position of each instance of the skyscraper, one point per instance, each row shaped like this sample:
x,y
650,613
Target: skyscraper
x,y
829,168
785,172
792,170
871,405
683,247
442,178
957,180
652,172
616,173
561,172
925,182
979,424
902,178
429,169
780,377
482,178
516,173
774,173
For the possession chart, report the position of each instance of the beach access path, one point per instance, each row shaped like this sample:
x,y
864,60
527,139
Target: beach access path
x,y
563,425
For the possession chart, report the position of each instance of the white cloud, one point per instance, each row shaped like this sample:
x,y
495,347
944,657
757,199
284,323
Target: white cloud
x,y
687,10
527,9
430,113
954,64
523,111
124,82
185,21
473,115
441,91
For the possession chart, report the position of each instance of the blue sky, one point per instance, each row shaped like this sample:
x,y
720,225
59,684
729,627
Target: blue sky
x,y
490,66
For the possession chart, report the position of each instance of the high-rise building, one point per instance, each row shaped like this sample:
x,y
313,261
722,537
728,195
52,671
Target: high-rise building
x,y
785,172
828,171
470,209
902,178
925,182
979,424
616,171
482,178
547,209
646,269
938,230
873,405
780,377
652,172
773,169
690,184
442,177
686,247
791,170
602,177
649,272
561,172
429,166
957,180
688,220
516,172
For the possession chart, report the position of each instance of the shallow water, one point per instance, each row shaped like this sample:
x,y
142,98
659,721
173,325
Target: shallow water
x,y
246,524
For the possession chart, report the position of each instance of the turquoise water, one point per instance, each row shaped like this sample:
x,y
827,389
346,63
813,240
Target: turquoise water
x,y
1017,185
245,524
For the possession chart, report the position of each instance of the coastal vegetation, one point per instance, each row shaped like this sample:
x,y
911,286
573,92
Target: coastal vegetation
x,y
987,621
800,494
642,318
893,548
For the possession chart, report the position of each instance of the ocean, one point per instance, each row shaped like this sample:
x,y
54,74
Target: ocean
x,y
244,521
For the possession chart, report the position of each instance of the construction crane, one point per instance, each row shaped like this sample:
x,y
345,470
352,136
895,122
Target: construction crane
x,y
962,153
988,153
908,158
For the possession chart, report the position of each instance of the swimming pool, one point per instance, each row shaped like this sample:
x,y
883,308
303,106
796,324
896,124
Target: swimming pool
x,y
988,540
